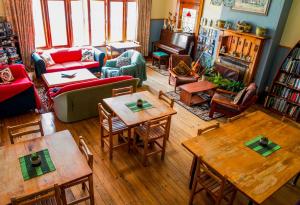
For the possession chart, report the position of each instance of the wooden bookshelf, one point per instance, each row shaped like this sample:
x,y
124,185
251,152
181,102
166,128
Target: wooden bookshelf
x,y
284,95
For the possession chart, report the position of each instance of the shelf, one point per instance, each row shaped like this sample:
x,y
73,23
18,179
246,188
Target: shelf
x,y
289,101
283,113
288,86
245,34
237,58
295,74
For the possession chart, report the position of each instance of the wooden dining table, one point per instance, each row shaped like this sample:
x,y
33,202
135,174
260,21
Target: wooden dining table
x,y
130,118
69,163
256,176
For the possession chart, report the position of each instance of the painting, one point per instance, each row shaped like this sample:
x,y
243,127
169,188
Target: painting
x,y
253,6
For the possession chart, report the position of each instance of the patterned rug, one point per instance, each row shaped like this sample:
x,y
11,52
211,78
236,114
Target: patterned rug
x,y
163,69
44,99
201,111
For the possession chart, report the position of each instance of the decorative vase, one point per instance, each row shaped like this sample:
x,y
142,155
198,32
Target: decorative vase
x,y
261,31
139,103
35,160
165,24
221,23
264,141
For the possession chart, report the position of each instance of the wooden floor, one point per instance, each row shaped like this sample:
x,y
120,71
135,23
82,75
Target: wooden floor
x,y
124,180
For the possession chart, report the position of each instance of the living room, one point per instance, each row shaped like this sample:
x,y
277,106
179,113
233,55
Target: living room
x,y
149,102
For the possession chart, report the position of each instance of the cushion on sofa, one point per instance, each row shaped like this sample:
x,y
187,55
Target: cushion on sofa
x,y
66,55
87,84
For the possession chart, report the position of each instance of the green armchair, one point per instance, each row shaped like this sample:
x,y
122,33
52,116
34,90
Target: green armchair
x,y
137,69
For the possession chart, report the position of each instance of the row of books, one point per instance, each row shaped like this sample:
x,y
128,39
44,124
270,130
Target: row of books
x,y
283,106
284,92
289,80
295,53
9,55
291,66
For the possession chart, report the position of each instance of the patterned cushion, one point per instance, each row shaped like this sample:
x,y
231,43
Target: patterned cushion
x,y
123,61
6,75
182,69
239,96
47,59
87,55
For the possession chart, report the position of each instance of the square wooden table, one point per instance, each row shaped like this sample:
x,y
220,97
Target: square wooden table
x,y
256,176
55,79
130,118
189,92
69,162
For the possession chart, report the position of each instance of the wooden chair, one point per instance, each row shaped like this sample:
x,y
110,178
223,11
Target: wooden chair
x,y
122,91
297,125
49,197
28,128
236,117
89,157
215,185
113,126
151,132
162,96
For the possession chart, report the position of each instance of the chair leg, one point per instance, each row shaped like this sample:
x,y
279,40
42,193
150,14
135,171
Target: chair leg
x,y
232,198
63,196
110,146
145,155
91,189
159,63
164,148
193,192
129,139
212,110
101,137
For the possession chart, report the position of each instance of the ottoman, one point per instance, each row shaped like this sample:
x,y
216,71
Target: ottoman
x,y
160,57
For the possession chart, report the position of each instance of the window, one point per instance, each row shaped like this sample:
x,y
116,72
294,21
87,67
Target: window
x,y
40,40
57,19
189,20
83,22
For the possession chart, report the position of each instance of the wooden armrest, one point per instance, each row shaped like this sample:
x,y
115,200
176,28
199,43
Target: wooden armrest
x,y
172,73
225,91
209,128
219,101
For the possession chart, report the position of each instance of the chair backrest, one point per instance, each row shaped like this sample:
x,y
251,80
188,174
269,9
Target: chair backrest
x,y
24,129
162,122
175,59
250,96
165,98
49,197
105,115
122,91
208,128
86,151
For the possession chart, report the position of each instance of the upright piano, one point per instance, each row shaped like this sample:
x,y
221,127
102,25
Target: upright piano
x,y
175,42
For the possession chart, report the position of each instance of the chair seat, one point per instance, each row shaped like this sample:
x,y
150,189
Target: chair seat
x,y
223,98
185,79
155,133
117,125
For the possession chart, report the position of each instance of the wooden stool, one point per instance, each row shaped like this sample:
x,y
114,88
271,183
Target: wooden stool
x,y
160,56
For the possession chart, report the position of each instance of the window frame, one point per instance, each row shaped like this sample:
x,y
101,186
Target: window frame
x,y
68,18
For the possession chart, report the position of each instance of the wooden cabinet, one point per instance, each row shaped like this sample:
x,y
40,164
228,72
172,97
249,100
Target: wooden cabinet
x,y
240,52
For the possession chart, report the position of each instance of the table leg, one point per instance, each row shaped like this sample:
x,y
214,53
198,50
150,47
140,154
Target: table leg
x,y
91,189
129,138
193,171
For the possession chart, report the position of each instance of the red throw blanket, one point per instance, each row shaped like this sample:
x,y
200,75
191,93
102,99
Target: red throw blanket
x,y
21,83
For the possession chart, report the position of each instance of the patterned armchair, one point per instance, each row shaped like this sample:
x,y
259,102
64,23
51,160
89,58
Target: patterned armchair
x,y
176,79
136,69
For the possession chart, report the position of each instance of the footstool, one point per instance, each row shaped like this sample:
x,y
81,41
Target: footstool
x,y
160,56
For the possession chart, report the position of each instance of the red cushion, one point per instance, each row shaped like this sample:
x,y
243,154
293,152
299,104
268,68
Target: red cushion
x,y
92,64
17,70
66,55
90,83
55,68
72,65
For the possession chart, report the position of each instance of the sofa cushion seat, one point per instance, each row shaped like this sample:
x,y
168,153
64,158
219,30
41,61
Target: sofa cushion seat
x,y
55,68
86,84
92,64
72,65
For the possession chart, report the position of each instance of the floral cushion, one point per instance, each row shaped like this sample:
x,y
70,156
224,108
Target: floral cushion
x,y
182,69
239,96
123,61
47,59
87,55
6,75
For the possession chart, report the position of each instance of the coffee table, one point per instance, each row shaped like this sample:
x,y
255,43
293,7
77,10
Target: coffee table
x,y
189,92
55,79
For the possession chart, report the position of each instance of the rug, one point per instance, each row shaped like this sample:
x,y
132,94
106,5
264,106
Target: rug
x,y
163,69
201,111
42,92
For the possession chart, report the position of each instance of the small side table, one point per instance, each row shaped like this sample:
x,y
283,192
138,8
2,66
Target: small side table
x,y
160,56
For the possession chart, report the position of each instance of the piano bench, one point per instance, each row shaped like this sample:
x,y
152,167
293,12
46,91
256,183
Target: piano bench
x,y
160,57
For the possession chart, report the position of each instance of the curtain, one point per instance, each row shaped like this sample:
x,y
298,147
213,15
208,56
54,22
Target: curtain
x,y
19,13
143,25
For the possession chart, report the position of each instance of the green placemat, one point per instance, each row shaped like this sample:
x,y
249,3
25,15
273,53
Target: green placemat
x,y
29,171
264,151
134,108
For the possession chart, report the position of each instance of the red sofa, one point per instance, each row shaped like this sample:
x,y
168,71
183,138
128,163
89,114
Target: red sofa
x,y
68,59
19,95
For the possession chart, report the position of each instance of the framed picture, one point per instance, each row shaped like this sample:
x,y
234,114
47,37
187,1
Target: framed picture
x,y
253,6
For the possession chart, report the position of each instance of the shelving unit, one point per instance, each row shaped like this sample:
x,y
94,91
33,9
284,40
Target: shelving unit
x,y
207,41
284,95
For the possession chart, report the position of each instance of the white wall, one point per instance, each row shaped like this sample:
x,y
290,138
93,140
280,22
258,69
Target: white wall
x,y
211,12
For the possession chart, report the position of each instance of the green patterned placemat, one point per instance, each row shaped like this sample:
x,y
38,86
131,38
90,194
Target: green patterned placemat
x,y
134,108
264,151
29,171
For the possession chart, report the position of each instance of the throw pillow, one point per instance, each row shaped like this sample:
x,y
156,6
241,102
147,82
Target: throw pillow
x,y
182,69
6,75
87,55
47,59
239,96
123,61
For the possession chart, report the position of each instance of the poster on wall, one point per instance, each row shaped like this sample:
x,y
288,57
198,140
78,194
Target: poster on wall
x,y
253,6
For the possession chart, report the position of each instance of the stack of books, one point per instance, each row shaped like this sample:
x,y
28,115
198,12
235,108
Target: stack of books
x,y
13,56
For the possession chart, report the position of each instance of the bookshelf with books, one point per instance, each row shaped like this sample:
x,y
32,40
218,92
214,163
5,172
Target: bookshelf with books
x,y
284,95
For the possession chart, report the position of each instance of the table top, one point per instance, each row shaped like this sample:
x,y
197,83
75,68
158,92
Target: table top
x,y
256,176
55,79
65,154
124,45
130,118
199,86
